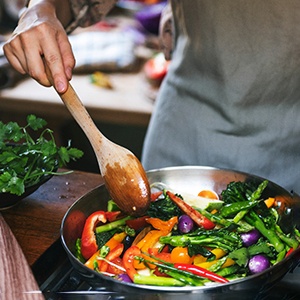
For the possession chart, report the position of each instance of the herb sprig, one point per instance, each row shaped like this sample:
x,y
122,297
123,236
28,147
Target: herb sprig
x,y
25,161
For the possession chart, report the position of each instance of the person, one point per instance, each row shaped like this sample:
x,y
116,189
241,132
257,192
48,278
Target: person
x,y
231,96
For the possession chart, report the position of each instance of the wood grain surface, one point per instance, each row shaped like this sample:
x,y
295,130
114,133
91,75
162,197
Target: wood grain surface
x,y
36,220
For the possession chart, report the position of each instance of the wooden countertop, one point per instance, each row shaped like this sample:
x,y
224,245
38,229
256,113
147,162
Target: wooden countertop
x,y
127,103
36,220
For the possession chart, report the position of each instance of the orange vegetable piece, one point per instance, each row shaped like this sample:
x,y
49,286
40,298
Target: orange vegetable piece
x,y
165,226
147,242
180,255
114,253
209,194
270,202
114,241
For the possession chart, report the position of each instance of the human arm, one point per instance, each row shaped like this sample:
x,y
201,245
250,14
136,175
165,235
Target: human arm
x,y
40,37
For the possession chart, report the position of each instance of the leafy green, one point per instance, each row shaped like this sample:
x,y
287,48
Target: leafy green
x,y
198,249
242,255
163,209
237,191
103,237
24,160
216,238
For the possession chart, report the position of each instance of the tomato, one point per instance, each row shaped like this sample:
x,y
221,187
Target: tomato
x,y
114,253
156,68
165,256
128,260
209,194
114,270
180,255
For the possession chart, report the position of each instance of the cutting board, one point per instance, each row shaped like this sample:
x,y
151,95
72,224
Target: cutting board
x,y
16,278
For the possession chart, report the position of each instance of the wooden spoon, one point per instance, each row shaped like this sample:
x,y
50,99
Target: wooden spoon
x,y
16,278
124,176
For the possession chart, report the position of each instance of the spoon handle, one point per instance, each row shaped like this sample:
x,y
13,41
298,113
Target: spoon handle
x,y
80,114
84,120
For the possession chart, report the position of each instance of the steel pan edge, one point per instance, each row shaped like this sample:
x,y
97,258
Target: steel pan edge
x,y
248,288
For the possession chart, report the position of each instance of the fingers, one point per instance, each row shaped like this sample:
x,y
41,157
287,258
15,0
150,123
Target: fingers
x,y
58,57
14,60
28,51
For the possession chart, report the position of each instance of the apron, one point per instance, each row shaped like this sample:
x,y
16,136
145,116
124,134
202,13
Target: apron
x,y
231,96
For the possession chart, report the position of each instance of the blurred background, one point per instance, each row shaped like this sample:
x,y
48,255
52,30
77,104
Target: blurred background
x,y
119,69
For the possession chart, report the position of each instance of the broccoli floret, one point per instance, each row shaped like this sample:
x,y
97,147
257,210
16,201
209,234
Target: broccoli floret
x,y
239,191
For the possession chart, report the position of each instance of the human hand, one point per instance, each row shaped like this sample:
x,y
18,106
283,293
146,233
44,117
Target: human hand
x,y
41,39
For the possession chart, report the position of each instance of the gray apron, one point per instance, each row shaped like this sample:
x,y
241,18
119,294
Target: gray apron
x,y
231,97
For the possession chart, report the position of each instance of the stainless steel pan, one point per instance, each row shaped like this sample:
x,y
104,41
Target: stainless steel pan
x,y
189,179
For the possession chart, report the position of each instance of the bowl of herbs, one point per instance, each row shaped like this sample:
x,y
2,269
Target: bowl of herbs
x,y
29,157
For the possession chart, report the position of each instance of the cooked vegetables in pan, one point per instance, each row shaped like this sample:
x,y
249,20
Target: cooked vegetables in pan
x,y
189,240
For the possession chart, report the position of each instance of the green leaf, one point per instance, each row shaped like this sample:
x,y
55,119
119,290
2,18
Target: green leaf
x,y
75,153
25,161
35,123
11,183
13,132
6,157
240,256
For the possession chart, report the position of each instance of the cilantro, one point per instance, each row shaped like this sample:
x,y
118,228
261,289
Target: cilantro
x,y
25,161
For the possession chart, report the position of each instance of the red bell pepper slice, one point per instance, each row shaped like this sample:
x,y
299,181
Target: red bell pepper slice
x,y
114,253
137,223
128,260
164,256
201,272
289,252
198,218
112,215
88,239
155,195
113,269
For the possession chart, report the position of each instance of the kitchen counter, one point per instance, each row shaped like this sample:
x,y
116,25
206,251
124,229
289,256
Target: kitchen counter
x,y
36,220
122,113
127,103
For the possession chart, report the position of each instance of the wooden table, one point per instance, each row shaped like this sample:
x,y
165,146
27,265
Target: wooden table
x,y
122,114
127,103
36,220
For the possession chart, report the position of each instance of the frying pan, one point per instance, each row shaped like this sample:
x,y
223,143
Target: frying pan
x,y
188,179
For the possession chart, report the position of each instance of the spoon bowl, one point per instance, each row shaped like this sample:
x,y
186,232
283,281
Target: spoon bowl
x,y
123,174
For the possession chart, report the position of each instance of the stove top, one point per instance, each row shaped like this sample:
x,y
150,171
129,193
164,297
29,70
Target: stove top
x,y
58,280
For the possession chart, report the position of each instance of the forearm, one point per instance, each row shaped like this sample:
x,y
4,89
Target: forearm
x,y
61,8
